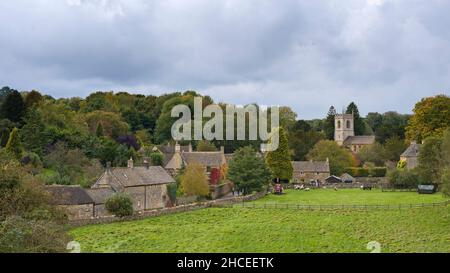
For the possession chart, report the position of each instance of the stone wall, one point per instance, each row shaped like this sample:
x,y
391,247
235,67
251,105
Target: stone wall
x,y
77,212
221,190
305,177
164,211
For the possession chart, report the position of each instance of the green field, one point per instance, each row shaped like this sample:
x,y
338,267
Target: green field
x,y
350,197
279,230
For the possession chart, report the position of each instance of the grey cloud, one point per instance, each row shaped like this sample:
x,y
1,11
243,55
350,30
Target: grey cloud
x,y
385,55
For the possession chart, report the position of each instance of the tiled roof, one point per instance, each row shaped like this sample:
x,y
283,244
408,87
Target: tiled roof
x,y
141,176
204,158
359,140
69,195
99,195
311,166
347,177
412,150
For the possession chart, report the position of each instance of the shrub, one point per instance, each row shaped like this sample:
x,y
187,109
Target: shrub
x,y
405,178
120,205
19,235
194,181
357,172
157,159
378,172
172,189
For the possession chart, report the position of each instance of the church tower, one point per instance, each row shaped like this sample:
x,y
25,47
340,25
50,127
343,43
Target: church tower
x,y
343,127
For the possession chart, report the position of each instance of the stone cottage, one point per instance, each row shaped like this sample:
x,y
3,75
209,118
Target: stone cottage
x,y
213,162
74,199
147,185
305,171
411,155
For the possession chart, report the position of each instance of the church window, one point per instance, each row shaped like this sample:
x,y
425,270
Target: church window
x,y
339,124
348,124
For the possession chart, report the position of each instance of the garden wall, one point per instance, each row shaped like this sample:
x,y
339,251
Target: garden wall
x,y
164,211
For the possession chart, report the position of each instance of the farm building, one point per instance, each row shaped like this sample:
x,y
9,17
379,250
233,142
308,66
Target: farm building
x,y
411,155
305,171
74,199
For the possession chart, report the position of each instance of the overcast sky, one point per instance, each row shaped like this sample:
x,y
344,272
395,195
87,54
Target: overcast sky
x,y
384,55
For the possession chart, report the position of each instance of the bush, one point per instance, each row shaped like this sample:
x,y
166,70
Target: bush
x,y
405,178
172,189
19,235
194,181
357,172
120,204
157,159
445,180
378,172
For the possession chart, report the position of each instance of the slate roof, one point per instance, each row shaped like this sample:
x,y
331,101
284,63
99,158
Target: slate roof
x,y
99,195
170,149
359,140
141,176
411,151
311,166
333,179
69,195
347,177
204,158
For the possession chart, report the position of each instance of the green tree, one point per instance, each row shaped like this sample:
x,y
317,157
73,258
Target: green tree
x,y
445,181
32,98
358,121
13,107
279,161
194,181
372,153
393,148
157,159
33,132
301,142
120,205
431,118
248,171
99,130
339,157
328,126
206,146
14,146
4,136
430,159
287,117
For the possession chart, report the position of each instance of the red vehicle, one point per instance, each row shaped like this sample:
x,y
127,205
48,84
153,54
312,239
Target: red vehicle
x,y
278,189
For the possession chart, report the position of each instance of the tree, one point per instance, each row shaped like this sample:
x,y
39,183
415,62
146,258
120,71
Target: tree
x,y
430,159
194,181
445,181
358,121
248,171
157,159
112,123
13,107
328,126
279,161
99,130
4,136
301,142
339,157
206,146
14,146
32,98
287,117
393,148
372,153
32,133
431,118
120,204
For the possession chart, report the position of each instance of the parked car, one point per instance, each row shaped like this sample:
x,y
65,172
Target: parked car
x,y
426,189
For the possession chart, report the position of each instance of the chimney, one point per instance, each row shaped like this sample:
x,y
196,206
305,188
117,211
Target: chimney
x,y
222,149
130,163
190,147
177,147
108,166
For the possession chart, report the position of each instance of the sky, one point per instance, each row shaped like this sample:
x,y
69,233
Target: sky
x,y
383,54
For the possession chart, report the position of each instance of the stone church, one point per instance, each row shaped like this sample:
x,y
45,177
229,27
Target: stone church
x,y
344,133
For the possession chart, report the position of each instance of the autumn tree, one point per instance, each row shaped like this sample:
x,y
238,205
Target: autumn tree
x,y
14,145
279,161
206,146
431,117
194,181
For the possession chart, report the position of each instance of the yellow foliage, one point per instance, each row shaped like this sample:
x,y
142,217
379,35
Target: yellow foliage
x,y
194,180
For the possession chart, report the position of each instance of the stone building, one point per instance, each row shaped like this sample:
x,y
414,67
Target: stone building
x,y
411,155
100,195
305,171
175,157
74,199
344,133
147,185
